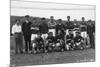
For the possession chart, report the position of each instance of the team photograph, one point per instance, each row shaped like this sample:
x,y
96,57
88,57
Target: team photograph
x,y
51,33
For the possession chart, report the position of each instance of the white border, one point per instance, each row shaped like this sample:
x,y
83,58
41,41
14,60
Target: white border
x,y
5,29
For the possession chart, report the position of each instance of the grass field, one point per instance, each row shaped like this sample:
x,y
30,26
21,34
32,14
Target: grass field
x,y
87,55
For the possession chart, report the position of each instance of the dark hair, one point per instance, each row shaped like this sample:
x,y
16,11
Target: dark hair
x,y
42,18
17,20
89,20
51,16
59,19
83,17
68,16
27,16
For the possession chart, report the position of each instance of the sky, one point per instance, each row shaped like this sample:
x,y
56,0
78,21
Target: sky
x,y
41,9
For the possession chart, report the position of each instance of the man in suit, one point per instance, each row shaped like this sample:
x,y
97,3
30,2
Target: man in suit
x,y
26,29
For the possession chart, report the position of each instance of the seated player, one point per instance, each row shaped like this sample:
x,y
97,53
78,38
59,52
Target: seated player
x,y
50,40
78,40
59,40
69,40
39,43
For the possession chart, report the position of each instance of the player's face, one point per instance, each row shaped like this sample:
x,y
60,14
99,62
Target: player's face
x,y
50,35
59,21
83,19
59,32
51,17
18,23
43,21
68,18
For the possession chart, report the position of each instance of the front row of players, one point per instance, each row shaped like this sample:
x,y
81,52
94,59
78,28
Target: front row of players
x,y
57,43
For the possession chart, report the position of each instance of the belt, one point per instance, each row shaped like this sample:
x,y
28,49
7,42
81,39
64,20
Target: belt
x,y
18,33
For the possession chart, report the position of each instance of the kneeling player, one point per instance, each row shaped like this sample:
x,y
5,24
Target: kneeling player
x,y
78,40
39,43
50,42
69,41
59,40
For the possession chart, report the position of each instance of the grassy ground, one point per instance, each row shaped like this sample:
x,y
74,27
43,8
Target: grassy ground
x,y
87,55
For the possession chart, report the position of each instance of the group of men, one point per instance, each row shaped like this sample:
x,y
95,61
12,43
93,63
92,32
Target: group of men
x,y
51,36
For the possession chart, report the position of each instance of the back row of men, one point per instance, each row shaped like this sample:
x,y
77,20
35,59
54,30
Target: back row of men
x,y
56,32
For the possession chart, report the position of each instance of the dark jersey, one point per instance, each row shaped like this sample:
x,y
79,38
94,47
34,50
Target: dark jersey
x,y
60,27
50,39
59,37
38,40
78,39
83,28
69,25
90,29
26,28
43,28
69,38
34,30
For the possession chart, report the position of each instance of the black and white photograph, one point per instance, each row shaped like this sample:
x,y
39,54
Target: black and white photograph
x,y
44,33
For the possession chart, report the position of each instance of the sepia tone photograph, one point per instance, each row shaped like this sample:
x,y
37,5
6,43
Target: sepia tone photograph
x,y
43,33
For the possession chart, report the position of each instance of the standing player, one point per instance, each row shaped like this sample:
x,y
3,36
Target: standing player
x,y
43,28
68,25
60,26
51,25
91,31
83,28
26,29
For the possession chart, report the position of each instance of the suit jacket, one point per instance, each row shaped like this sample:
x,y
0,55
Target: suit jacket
x,y
26,28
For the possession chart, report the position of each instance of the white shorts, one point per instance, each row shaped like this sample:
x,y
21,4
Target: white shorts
x,y
33,36
44,36
84,34
53,31
74,33
67,32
